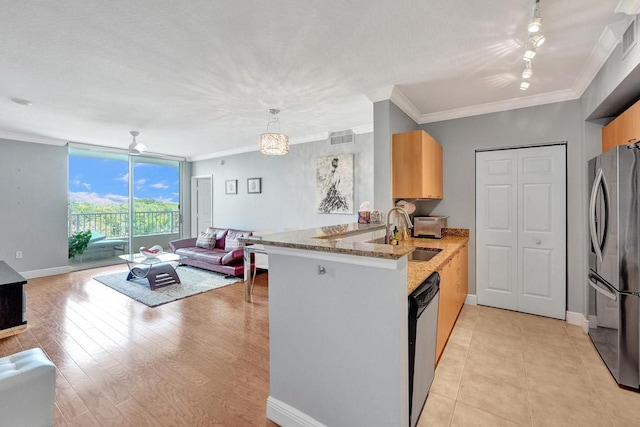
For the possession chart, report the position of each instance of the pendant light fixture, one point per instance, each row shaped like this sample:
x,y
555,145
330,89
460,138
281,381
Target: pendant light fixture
x,y
136,147
273,143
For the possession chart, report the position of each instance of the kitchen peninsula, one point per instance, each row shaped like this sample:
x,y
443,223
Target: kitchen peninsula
x,y
338,323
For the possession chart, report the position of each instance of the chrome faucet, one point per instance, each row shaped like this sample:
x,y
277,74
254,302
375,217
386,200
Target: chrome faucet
x,y
387,238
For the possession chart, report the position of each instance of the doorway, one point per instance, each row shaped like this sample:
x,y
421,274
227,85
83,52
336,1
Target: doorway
x,y
521,229
201,204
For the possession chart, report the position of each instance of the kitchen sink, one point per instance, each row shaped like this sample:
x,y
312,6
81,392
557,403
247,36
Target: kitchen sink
x,y
423,254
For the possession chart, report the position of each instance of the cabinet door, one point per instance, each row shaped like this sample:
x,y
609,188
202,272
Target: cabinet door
x,y
446,310
432,184
416,166
625,129
407,157
464,273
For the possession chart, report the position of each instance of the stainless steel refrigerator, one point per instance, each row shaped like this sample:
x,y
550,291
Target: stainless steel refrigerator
x,y
613,276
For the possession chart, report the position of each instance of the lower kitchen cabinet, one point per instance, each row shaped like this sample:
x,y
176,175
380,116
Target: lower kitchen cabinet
x,y
453,292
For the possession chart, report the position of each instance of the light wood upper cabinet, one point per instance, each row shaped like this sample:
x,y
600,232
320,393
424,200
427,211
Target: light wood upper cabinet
x,y
623,130
416,166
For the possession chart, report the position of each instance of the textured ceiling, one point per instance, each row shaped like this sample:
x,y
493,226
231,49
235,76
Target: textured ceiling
x,y
196,78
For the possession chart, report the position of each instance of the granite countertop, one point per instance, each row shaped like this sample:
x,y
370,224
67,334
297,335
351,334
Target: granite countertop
x,y
330,239
417,271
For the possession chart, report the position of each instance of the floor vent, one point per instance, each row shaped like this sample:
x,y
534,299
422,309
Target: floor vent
x,y
629,38
342,137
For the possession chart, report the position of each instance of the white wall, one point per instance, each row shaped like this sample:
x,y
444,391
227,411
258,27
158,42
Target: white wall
x,y
342,358
33,191
288,186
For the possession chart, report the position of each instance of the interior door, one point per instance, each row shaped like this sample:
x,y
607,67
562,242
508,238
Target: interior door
x,y
201,204
496,228
542,231
521,229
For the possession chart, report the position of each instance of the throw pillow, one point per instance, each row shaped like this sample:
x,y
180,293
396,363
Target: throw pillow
x,y
220,235
231,241
206,240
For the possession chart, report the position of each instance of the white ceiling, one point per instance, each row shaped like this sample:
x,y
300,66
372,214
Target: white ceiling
x,y
196,77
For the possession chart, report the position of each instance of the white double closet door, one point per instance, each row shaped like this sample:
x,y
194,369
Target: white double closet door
x,y
521,229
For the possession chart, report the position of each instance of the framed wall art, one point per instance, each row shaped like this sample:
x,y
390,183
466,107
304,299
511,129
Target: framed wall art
x,y
231,186
334,184
254,185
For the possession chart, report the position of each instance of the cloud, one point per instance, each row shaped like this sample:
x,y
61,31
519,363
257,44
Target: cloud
x,y
141,181
160,186
86,185
92,197
165,199
124,178
76,182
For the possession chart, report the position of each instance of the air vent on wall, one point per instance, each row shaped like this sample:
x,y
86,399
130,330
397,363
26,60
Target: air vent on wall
x,y
629,38
342,137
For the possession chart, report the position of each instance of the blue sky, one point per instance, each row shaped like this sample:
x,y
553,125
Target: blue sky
x,y
98,180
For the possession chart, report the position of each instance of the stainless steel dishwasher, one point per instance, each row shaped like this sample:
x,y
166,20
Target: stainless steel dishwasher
x,y
423,327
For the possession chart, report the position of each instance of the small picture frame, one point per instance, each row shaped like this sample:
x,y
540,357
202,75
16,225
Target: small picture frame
x,y
231,186
254,185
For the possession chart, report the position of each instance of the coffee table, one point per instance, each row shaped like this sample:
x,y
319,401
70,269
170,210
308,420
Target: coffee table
x,y
158,270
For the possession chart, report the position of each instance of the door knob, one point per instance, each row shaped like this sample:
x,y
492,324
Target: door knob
x,y
321,270
538,242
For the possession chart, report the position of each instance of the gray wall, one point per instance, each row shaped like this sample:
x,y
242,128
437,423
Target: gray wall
x,y
33,190
288,186
461,138
387,120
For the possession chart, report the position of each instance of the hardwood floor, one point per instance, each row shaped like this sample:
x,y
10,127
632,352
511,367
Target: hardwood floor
x,y
200,361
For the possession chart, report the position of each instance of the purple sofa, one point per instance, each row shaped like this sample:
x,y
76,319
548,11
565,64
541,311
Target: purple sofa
x,y
216,249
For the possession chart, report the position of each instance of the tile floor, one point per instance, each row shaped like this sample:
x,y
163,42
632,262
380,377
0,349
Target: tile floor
x,y
502,368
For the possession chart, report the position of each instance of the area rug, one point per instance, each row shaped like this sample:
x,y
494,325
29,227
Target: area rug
x,y
194,281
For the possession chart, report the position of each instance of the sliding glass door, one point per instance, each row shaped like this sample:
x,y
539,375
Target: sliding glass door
x,y
120,203
155,185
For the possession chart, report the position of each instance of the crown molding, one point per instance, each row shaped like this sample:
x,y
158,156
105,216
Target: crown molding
x,y
630,7
380,94
494,107
32,138
323,136
405,105
358,130
597,58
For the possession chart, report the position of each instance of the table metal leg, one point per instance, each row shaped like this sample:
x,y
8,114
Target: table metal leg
x,y
246,255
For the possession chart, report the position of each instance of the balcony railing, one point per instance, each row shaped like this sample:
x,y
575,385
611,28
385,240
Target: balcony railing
x,y
116,224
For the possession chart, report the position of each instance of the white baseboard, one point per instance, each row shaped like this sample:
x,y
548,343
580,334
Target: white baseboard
x,y
471,299
577,319
288,416
45,272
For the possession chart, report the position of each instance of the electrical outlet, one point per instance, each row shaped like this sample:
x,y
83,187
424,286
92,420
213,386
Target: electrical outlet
x,y
19,254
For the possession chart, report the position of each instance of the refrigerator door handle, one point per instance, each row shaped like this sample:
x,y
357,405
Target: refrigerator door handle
x,y
598,246
594,282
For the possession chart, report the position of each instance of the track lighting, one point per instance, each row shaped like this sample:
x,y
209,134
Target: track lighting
x,y
524,85
536,22
528,70
535,25
537,40
530,53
